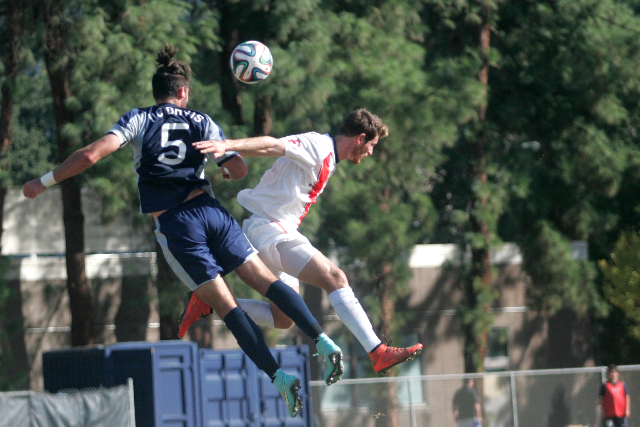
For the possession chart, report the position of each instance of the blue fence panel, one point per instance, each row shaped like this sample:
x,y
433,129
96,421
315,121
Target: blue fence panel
x,y
229,393
292,360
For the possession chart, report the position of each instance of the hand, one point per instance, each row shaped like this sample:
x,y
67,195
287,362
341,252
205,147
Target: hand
x,y
32,188
216,148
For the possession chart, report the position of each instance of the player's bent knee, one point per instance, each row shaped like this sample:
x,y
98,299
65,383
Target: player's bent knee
x,y
338,279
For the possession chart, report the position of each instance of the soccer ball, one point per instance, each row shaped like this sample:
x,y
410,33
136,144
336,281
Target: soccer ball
x,y
251,62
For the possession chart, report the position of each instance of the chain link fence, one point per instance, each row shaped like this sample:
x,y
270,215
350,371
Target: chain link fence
x,y
543,398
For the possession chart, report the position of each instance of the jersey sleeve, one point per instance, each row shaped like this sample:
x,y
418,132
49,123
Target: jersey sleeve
x,y
214,132
307,150
130,127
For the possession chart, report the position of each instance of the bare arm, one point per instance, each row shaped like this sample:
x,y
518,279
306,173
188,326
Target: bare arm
x,y
628,406
76,163
478,411
234,168
260,146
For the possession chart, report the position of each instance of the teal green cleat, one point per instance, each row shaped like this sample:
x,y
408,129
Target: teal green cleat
x,y
288,386
334,367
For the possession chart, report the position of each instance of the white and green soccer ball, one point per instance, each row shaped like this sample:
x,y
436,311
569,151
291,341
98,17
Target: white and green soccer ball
x,y
251,62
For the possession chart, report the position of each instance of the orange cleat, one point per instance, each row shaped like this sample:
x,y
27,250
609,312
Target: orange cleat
x,y
195,310
384,357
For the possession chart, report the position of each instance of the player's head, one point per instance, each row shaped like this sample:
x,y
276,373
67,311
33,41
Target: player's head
x,y
171,76
367,128
612,373
468,382
361,121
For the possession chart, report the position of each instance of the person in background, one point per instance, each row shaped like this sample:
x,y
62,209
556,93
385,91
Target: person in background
x,y
466,406
614,404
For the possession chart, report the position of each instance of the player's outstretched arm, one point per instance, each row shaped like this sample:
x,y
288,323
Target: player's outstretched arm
x,y
76,163
260,146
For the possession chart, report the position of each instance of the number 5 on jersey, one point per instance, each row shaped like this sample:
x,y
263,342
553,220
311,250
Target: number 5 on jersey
x,y
165,142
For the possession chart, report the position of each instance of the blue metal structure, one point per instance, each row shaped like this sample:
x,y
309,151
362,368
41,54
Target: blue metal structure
x,y
177,384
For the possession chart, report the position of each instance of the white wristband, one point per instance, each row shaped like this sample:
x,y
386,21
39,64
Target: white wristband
x,y
48,180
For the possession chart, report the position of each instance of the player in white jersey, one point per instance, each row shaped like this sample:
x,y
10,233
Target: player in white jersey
x,y
199,238
279,203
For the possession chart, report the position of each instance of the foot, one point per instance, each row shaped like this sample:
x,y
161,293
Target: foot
x,y
288,386
195,310
334,367
384,357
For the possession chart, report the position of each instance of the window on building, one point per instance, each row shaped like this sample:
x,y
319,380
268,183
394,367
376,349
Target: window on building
x,y
497,358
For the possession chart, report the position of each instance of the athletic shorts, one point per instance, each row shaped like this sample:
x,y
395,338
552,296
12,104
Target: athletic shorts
x,y
614,422
201,240
280,246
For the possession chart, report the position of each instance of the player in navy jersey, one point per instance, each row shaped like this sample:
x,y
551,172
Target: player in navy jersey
x,y
199,238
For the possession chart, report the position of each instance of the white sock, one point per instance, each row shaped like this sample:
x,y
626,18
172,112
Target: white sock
x,y
259,311
353,316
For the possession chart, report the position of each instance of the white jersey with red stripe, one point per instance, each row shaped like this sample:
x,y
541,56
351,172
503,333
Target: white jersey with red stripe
x,y
287,190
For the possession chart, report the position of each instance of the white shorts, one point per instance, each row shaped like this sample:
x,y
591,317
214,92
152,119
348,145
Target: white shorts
x,y
280,246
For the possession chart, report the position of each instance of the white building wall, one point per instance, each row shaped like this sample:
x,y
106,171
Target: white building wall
x,y
35,227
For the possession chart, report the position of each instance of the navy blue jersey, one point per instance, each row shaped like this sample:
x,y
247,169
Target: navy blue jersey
x,y
168,166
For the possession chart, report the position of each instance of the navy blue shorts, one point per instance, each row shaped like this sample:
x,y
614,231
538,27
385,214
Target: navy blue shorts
x,y
201,240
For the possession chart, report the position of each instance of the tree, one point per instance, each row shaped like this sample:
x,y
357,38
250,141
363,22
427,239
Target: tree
x,y
583,159
14,58
99,60
471,193
114,75
384,201
622,279
59,61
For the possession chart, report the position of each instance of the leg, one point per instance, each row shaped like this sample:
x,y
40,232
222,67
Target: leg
x,y
217,295
258,276
321,272
184,240
289,303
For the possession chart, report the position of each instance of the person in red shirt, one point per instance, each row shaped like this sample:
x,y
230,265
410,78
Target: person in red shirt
x,y
615,402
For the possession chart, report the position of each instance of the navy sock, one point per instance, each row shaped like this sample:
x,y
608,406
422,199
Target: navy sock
x,y
292,304
251,340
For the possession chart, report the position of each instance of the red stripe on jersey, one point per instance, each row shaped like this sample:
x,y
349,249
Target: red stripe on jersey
x,y
280,225
323,176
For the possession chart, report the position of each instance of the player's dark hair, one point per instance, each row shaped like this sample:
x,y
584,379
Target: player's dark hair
x,y
612,367
362,121
171,75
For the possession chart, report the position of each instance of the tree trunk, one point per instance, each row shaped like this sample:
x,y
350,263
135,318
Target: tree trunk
x,y
389,410
230,87
59,70
262,117
14,34
476,343
480,256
